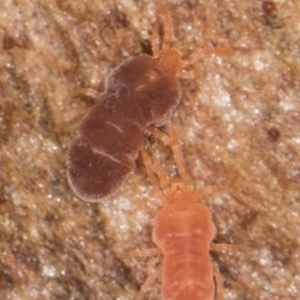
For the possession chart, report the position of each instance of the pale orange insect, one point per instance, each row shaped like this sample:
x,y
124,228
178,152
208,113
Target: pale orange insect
x,y
183,231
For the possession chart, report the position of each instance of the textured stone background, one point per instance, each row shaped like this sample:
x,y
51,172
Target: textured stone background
x,y
239,125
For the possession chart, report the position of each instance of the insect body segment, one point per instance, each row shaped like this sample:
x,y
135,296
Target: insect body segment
x,y
183,230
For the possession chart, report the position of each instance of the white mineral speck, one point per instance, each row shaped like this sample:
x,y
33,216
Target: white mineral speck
x,y
49,271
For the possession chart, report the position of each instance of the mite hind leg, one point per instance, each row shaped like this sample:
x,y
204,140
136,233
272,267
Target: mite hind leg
x,y
223,247
219,283
146,285
151,278
217,275
77,112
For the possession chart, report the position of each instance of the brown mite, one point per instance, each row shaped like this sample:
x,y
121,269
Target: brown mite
x,y
140,92
183,231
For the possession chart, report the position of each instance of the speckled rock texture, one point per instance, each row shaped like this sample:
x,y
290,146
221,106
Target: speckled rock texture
x,y
239,124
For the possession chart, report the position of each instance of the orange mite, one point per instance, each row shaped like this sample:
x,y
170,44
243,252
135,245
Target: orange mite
x,y
183,230
141,92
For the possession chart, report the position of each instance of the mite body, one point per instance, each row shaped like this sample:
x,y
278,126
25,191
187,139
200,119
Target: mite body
x,y
142,91
138,93
183,230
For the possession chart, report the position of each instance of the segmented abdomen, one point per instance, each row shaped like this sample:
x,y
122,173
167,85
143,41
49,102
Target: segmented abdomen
x,y
185,237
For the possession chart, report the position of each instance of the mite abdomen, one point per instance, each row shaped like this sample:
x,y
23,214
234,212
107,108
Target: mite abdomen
x,y
184,237
109,132
137,94
102,172
188,276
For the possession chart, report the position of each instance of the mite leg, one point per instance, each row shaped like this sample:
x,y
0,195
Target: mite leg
x,y
173,141
207,190
218,277
175,144
76,112
219,283
155,41
156,175
69,116
144,252
192,74
149,167
205,52
223,247
159,135
168,27
150,280
86,92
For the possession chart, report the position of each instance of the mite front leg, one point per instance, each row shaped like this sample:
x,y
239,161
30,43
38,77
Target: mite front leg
x,y
173,141
168,28
156,175
176,147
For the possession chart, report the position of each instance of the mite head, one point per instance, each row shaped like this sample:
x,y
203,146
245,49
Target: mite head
x,y
179,195
170,58
170,61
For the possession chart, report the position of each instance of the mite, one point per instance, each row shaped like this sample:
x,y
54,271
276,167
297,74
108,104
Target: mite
x,y
183,231
140,92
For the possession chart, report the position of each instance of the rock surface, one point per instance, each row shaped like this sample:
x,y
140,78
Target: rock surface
x,y
239,125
